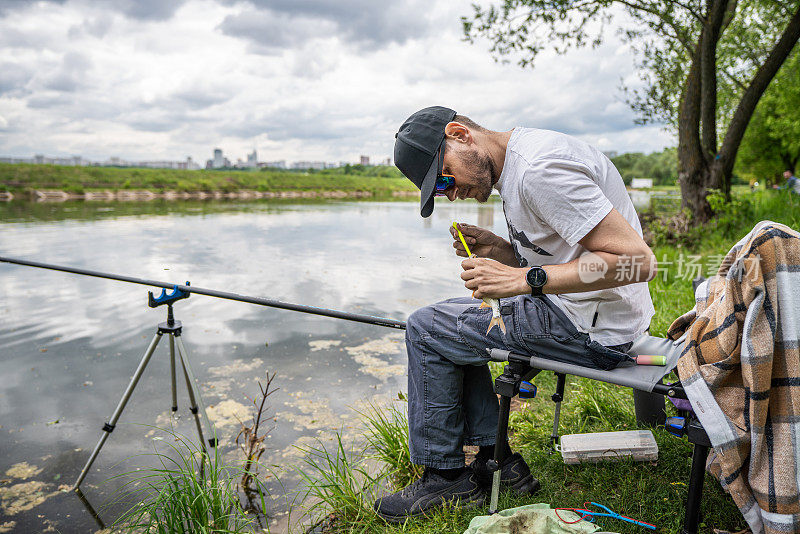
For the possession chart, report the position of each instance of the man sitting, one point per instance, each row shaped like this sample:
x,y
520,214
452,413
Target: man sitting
x,y
573,271
792,183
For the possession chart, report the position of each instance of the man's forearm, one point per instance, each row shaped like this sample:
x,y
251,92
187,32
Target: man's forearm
x,y
503,252
599,270
590,272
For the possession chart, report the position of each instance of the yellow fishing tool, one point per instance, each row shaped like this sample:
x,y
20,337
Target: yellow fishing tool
x,y
461,237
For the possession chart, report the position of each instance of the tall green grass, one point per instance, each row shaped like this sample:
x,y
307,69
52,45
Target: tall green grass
x,y
340,489
189,493
386,432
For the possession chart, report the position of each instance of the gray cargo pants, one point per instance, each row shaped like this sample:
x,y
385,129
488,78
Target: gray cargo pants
x,y
451,399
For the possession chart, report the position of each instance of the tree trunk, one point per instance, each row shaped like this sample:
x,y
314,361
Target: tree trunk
x,y
708,76
692,165
699,166
788,162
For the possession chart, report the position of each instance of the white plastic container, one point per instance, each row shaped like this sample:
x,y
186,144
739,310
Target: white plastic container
x,y
637,445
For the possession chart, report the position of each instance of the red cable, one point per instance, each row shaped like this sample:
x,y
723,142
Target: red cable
x,y
574,510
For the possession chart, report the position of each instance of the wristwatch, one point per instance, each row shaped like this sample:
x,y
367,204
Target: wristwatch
x,y
536,278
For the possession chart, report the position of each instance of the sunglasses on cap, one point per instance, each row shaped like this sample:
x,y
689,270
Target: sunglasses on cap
x,y
443,181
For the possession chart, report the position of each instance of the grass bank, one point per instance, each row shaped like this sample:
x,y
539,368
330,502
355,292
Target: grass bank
x,y
19,178
653,492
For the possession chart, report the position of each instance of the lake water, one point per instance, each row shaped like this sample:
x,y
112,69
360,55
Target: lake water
x,y
69,344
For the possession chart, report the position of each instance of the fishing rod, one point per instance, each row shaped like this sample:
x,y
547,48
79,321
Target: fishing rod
x,y
369,319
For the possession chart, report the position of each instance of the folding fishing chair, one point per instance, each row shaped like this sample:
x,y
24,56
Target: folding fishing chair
x,y
521,368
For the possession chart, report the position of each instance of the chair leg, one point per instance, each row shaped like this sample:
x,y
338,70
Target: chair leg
x,y
691,519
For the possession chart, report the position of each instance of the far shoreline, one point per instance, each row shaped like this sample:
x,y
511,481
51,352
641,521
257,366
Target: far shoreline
x,y
128,195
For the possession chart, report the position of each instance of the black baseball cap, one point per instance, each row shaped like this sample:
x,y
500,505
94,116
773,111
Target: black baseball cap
x,y
416,146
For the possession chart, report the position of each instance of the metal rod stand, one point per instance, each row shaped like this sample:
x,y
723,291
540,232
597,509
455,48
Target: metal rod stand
x,y
174,330
557,397
507,386
495,465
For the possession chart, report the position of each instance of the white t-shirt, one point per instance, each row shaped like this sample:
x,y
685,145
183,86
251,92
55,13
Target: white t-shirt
x,y
555,189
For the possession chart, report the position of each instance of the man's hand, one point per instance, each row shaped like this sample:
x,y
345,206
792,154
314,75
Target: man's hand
x,y
491,279
484,244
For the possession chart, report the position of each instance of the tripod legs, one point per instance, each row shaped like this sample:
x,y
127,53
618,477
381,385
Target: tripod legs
x,y
195,399
109,426
172,374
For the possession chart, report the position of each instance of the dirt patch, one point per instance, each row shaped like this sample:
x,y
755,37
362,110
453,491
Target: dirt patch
x,y
323,344
23,470
368,356
228,413
236,366
24,496
315,413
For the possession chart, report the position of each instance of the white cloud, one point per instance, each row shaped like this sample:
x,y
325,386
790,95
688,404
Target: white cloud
x,y
301,79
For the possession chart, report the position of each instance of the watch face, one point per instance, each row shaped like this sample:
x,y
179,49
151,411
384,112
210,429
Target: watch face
x,y
537,277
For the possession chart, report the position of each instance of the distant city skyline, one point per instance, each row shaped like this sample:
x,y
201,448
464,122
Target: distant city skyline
x,y
217,161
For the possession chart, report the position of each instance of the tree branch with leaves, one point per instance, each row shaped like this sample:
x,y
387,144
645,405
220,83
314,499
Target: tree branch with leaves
x,y
703,65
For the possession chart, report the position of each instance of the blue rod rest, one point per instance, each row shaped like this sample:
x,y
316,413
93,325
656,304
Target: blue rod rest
x,y
167,298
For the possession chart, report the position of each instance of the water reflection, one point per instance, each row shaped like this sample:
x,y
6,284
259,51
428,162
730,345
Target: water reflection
x,y
486,215
69,344
654,200
89,508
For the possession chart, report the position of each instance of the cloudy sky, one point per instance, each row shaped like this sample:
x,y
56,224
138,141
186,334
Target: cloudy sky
x,y
295,79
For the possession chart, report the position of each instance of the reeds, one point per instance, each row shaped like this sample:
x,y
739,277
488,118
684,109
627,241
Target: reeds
x,y
386,433
191,492
342,485
339,488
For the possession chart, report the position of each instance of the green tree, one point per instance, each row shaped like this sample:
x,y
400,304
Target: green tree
x,y
662,166
704,64
772,141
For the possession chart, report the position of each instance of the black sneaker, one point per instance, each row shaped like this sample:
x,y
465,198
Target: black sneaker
x,y
514,474
428,492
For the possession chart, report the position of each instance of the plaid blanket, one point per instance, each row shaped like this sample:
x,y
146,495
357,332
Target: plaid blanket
x,y
740,367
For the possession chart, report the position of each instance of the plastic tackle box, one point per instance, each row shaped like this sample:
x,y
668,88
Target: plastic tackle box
x,y
637,445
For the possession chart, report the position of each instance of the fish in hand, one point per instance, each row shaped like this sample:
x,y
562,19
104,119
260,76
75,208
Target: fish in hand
x,y
497,319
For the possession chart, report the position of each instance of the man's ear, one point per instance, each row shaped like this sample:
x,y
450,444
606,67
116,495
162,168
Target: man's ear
x,y
458,132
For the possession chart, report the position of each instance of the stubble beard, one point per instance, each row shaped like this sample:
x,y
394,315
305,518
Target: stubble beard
x,y
487,176
484,174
